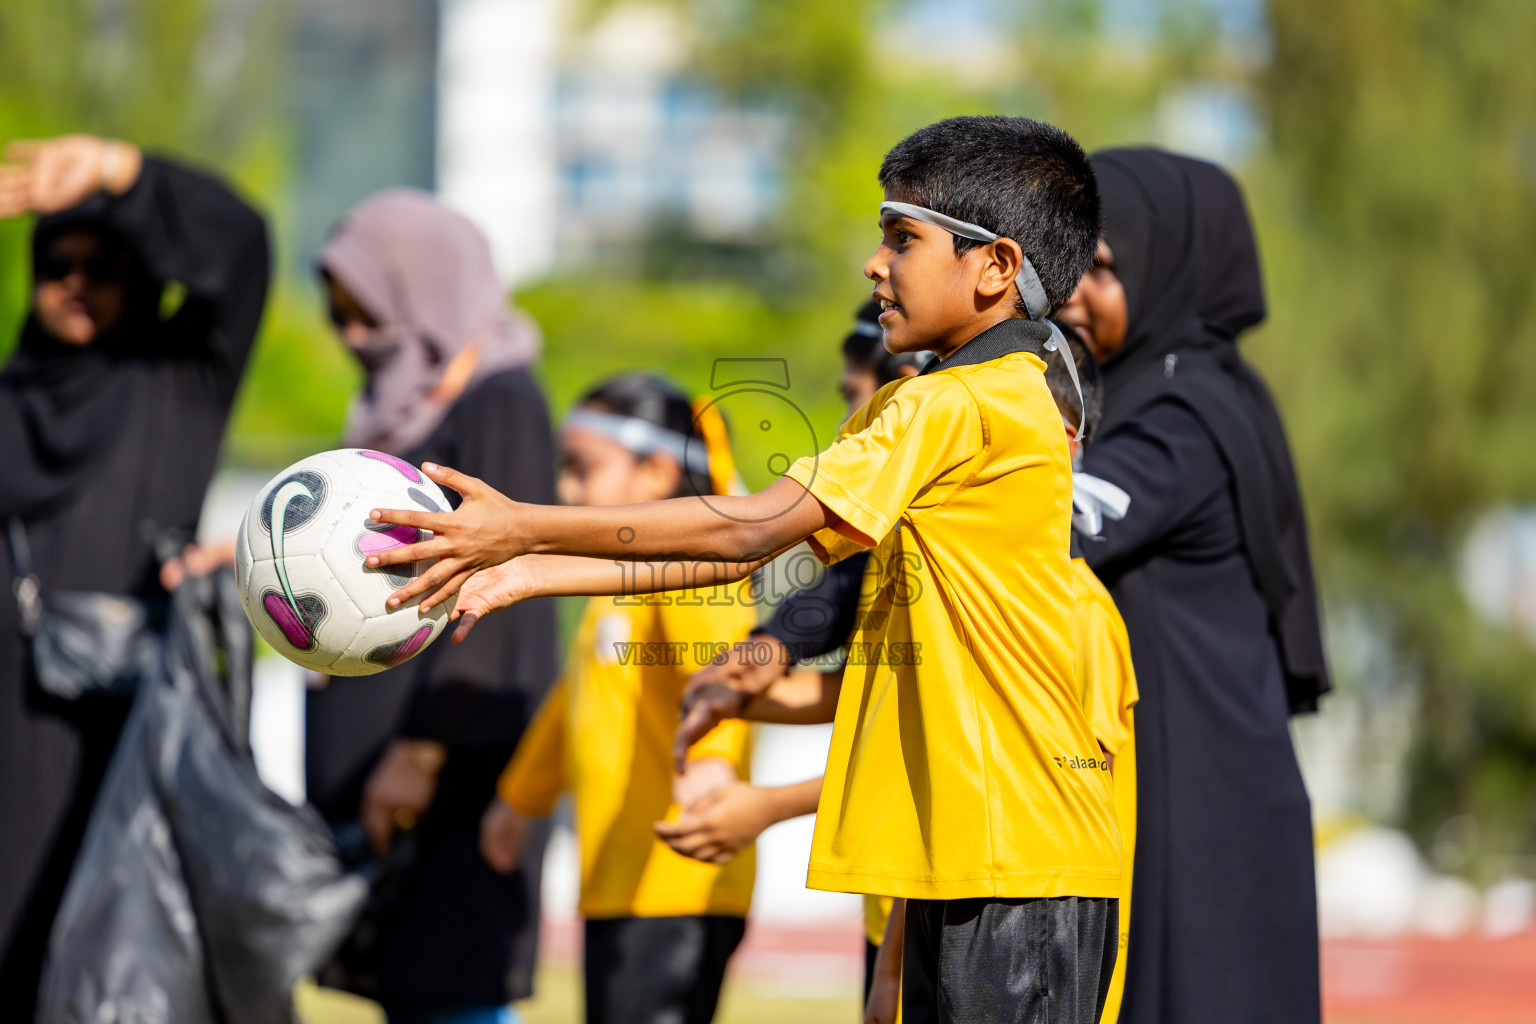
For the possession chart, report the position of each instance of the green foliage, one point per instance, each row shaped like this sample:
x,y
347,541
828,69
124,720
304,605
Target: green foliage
x,y
196,78
1394,207
293,400
595,330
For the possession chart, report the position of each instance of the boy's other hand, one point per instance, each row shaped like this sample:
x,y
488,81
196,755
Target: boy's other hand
x,y
720,824
479,534
502,834
400,789
488,590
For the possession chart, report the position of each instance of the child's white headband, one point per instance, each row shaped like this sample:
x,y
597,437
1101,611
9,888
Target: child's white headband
x,y
643,437
1030,288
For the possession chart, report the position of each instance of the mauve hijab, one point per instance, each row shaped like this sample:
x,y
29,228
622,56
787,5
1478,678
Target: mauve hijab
x,y
424,273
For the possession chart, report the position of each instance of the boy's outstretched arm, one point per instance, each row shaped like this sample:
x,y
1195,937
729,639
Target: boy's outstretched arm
x,y
529,576
489,528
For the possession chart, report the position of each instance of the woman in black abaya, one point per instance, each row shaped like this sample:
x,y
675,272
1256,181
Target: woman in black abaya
x,y
1211,572
111,414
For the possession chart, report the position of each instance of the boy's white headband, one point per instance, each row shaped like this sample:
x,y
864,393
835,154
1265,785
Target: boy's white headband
x,y
1030,288
643,437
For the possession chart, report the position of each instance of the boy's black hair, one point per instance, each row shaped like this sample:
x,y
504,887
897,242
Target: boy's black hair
x,y
1060,383
657,401
864,347
1023,179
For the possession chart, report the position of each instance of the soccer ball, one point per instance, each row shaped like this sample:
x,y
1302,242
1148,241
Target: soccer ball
x,y
299,557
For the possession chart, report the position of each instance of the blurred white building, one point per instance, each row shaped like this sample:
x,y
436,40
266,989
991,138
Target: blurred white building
x,y
1498,569
566,142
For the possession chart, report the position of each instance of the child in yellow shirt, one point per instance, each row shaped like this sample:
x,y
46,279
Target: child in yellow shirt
x,y
963,774
1104,668
729,818
659,927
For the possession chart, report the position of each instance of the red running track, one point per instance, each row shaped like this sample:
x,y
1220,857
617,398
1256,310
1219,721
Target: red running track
x,y
1411,980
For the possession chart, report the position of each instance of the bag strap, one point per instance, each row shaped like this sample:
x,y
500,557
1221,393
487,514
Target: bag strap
x,y
26,586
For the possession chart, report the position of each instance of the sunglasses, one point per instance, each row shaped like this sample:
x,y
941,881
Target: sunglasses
x,y
97,269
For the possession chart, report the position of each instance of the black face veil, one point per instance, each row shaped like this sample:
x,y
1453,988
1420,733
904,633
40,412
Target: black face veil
x,y
1184,250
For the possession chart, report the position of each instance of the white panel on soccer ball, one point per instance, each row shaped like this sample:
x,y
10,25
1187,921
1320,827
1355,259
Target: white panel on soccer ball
x,y
385,474
354,538
307,618
391,639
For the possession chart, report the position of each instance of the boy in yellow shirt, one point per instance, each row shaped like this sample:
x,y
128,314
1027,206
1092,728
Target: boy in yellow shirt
x,y
963,775
728,819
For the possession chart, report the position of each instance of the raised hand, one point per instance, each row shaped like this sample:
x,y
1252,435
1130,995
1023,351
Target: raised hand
x,y
479,534
49,175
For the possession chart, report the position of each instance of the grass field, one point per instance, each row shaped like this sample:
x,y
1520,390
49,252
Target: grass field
x,y
559,1002
1408,980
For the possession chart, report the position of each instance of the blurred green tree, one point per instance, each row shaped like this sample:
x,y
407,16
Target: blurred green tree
x,y
1395,200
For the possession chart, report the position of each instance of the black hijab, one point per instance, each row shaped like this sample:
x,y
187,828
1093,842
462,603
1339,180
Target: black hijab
x,y
61,405
1185,253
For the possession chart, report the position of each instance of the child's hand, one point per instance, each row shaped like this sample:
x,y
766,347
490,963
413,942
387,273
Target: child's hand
x,y
720,825
502,834
699,776
488,590
704,707
196,560
479,534
723,688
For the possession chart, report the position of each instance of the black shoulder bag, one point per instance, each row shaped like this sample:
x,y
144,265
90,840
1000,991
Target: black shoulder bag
x,y
82,642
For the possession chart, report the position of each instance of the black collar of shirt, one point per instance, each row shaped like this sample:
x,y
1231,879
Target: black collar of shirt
x,y
1012,335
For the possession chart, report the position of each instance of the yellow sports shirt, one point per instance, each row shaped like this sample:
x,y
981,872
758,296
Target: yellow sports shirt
x,y
1109,696
605,733
1106,679
1107,687
962,764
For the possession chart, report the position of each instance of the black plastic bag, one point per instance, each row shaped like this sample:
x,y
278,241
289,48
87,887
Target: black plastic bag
x,y
199,895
